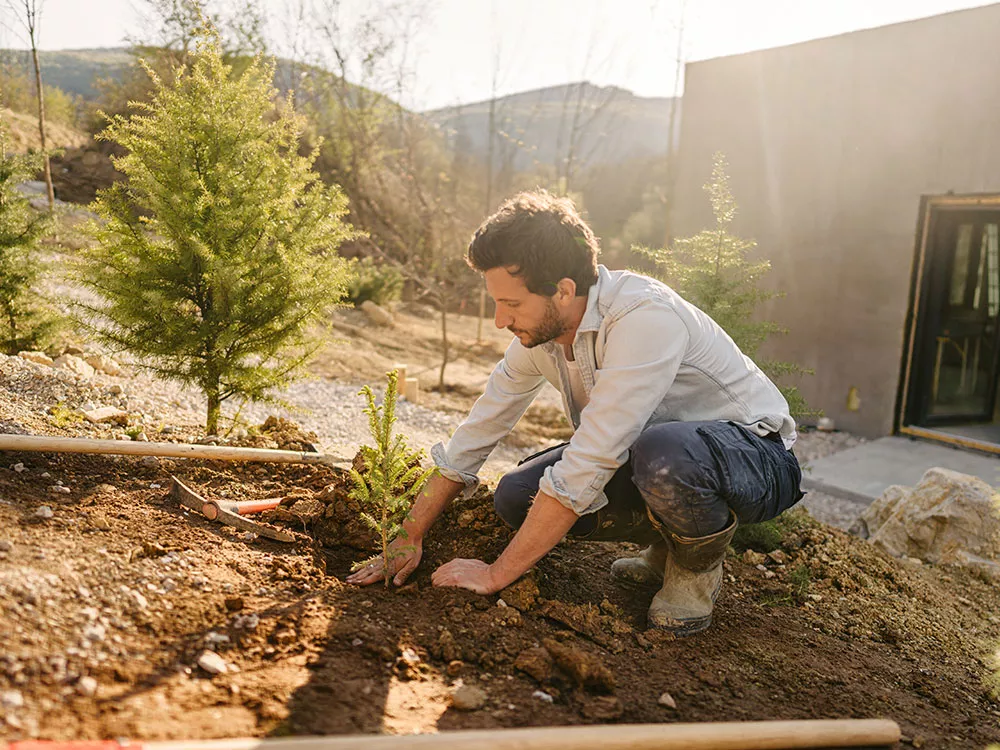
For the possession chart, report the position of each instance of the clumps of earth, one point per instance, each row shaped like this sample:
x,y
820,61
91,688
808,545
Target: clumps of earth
x,y
110,600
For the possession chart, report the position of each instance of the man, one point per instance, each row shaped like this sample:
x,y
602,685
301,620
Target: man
x,y
672,422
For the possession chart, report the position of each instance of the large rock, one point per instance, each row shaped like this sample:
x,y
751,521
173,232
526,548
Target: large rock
x,y
376,314
104,363
40,358
74,364
947,517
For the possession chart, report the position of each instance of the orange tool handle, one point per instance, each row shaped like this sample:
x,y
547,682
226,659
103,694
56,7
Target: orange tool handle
x,y
243,508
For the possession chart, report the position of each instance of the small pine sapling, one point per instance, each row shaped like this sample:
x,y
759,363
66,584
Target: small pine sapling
x,y
390,477
714,271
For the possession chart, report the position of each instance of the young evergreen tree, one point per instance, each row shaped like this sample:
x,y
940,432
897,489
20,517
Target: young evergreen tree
x,y
218,254
390,478
712,271
25,321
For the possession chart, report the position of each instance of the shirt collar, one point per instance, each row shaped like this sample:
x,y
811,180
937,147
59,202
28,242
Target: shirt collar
x,y
591,320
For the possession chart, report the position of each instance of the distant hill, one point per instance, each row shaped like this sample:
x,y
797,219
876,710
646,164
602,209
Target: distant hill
x,y
612,125
74,71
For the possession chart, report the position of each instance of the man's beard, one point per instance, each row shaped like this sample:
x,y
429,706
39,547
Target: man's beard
x,y
550,328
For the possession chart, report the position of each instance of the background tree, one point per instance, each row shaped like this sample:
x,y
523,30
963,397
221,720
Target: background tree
x,y
713,271
25,321
219,253
29,11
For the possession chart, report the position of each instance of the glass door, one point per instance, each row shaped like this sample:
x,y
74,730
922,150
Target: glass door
x,y
960,342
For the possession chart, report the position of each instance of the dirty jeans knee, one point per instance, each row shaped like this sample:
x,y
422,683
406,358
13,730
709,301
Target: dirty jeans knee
x,y
672,469
511,499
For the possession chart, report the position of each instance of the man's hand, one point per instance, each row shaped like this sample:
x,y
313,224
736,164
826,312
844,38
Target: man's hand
x,y
467,574
404,557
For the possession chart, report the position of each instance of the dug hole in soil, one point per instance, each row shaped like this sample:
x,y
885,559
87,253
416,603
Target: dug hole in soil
x,y
111,599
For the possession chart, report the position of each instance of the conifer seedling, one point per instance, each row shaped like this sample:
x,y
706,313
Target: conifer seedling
x,y
390,477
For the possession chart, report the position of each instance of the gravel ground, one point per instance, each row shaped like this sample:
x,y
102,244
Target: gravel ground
x,y
813,445
331,409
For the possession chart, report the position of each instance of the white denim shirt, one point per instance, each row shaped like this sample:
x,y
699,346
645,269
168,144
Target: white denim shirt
x,y
647,356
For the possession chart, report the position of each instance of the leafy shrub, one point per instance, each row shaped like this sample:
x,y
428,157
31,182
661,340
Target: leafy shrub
x,y
378,282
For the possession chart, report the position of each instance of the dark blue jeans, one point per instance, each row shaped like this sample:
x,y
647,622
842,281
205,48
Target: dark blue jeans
x,y
688,474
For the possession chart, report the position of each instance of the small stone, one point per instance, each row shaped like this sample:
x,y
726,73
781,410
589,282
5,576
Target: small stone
x,y
95,632
19,467
87,686
6,545
73,363
104,363
234,603
45,475
752,557
142,437
59,489
214,639
150,462
667,700
769,574
778,557
212,663
106,415
815,597
11,699
542,696
44,513
357,642
455,667
468,698
100,522
155,485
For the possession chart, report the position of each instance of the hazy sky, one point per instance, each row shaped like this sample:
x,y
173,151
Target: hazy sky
x,y
629,43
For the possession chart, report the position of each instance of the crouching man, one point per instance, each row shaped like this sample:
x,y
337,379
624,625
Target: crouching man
x,y
678,437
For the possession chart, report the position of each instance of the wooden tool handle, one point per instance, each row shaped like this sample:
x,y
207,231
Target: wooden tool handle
x,y
749,735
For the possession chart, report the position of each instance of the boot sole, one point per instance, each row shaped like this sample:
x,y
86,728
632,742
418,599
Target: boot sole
x,y
683,628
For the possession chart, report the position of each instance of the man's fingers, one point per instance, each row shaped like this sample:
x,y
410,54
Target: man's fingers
x,y
404,573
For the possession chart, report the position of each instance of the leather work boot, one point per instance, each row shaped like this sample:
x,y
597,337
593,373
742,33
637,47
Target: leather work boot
x,y
691,582
646,568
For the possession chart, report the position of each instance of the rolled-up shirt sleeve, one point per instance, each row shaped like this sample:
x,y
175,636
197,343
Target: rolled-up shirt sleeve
x,y
511,388
632,380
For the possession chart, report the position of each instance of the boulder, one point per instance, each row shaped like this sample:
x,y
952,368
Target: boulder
x,y
948,517
74,364
377,315
40,358
104,363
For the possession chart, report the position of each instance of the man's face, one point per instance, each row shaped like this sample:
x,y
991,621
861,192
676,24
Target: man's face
x,y
533,318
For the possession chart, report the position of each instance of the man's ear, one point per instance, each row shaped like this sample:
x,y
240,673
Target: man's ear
x,y
565,290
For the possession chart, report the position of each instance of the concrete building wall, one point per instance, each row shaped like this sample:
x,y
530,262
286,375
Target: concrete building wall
x,y
831,144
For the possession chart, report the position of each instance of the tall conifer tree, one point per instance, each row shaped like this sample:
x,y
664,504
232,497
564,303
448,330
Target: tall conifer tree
x,y
218,254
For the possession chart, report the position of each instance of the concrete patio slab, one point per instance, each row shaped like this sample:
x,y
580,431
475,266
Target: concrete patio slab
x,y
862,473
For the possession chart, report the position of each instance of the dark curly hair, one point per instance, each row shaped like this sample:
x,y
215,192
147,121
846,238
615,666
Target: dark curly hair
x,y
540,238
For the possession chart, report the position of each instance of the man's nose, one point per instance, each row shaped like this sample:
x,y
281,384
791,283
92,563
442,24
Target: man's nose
x,y
502,320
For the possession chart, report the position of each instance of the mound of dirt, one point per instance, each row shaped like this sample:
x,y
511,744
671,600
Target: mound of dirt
x,y
110,599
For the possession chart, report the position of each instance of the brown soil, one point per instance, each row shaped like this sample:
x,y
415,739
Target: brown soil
x,y
123,586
